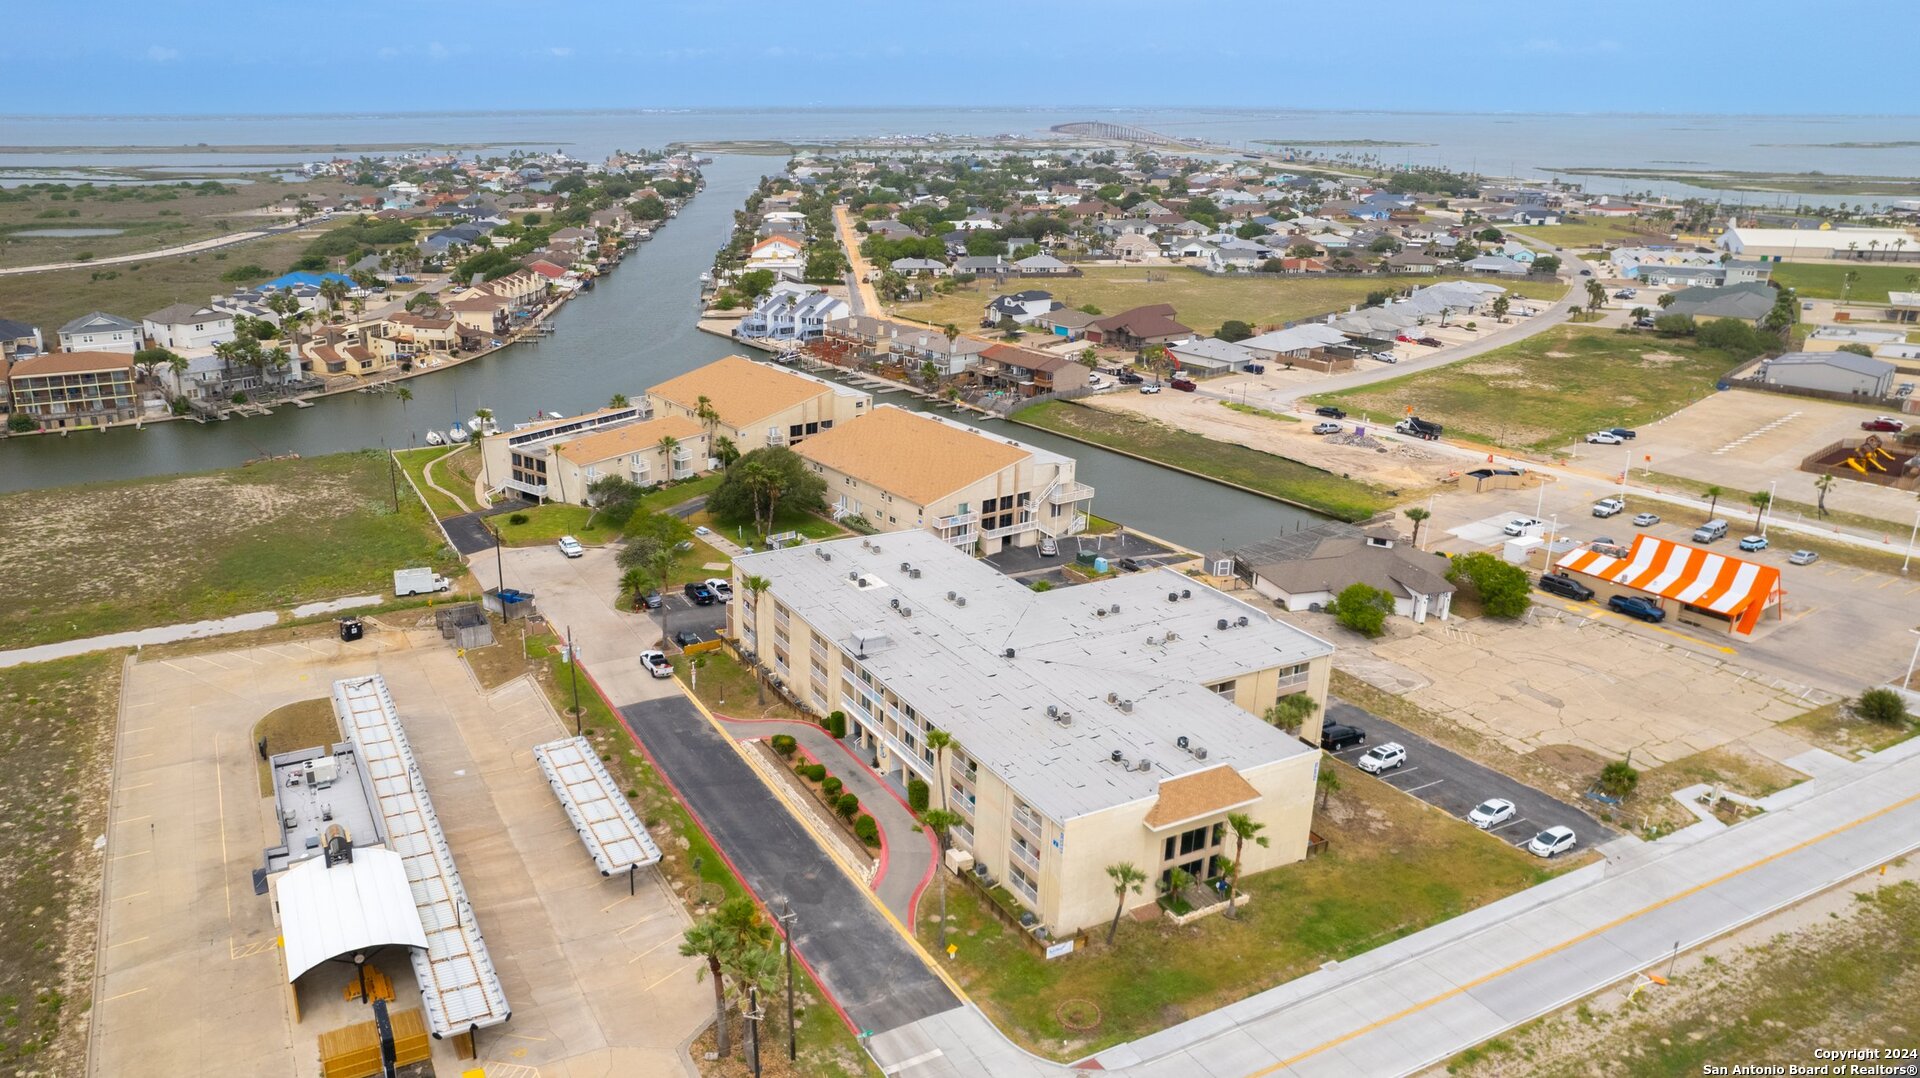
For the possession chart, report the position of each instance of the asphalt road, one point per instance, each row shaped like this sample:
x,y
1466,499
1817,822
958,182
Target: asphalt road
x,y
874,974
1448,780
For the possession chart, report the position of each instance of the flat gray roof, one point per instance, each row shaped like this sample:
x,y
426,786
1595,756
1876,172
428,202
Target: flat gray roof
x,y
1153,639
306,810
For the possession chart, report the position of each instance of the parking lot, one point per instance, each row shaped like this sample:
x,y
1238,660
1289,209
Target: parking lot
x,y
1455,784
679,614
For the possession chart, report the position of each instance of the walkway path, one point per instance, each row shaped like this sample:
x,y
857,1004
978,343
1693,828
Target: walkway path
x,y
861,295
167,634
196,247
427,474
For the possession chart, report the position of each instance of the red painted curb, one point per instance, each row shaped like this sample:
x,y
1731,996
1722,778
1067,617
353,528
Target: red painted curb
x,y
825,992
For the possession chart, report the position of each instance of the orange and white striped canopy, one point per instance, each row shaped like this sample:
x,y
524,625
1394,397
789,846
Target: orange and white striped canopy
x,y
1686,574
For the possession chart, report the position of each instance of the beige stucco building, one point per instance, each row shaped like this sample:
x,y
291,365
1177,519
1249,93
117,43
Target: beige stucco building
x,y
759,404
1107,722
527,459
898,469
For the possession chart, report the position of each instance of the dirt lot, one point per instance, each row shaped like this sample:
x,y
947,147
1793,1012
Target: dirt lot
x,y
1393,465
148,218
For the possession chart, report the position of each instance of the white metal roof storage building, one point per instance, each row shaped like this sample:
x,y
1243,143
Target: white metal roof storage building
x,y
1779,243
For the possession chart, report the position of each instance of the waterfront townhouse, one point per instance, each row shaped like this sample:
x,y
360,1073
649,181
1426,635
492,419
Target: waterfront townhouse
x,y
68,390
98,331
791,312
1117,721
901,470
645,452
482,312
758,404
521,459
183,327
19,340
1029,373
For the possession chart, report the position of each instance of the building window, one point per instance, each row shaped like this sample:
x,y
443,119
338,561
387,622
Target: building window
x,y
780,659
1193,840
1023,883
1225,688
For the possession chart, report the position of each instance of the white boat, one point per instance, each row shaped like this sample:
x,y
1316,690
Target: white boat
x,y
433,438
705,277
457,434
483,427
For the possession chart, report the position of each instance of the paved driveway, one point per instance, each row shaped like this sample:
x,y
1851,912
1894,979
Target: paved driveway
x,y
1450,781
874,974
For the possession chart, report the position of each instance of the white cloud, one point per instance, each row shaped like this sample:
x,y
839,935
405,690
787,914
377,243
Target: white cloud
x,y
162,54
560,50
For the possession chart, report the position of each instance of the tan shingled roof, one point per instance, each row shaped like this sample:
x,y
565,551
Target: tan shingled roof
x,y
742,391
1202,793
70,363
628,438
909,455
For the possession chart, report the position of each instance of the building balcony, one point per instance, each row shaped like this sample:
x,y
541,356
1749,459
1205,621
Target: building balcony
x,y
1012,529
1027,823
1025,889
534,490
1025,855
776,438
682,454
1070,492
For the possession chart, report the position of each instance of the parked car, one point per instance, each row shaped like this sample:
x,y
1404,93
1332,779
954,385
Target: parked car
x,y
570,546
1383,758
1326,428
1552,842
1645,520
685,638
1128,565
1184,385
1884,423
1522,525
1643,323
1094,381
1491,813
1607,507
1566,586
701,594
1255,368
1129,378
1803,557
1431,342
1586,273
1049,546
1604,437
721,588
1385,357
655,663
653,600
1753,544
1634,606
1336,736
1330,412
1625,293
1404,339
1150,387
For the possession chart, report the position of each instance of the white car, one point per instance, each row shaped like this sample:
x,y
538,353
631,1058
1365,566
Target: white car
x,y
1607,507
1552,842
1095,381
1522,525
1383,758
1605,437
1150,387
723,589
1491,813
571,547
655,663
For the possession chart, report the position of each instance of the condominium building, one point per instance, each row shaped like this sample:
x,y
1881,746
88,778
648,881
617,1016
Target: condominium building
x,y
523,459
64,390
758,404
648,452
898,469
1107,722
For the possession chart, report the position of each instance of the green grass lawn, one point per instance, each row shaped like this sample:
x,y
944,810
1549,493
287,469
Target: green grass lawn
x,y
662,498
181,548
415,461
1823,280
1549,389
1199,301
1393,867
56,740
546,523
1592,232
1276,476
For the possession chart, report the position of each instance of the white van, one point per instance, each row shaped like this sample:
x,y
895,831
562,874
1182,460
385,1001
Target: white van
x,y
1710,531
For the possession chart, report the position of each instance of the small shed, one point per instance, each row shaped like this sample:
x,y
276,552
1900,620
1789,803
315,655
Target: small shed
x,y
465,624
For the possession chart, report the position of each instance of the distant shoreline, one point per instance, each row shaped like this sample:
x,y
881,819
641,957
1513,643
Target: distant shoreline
x,y
206,147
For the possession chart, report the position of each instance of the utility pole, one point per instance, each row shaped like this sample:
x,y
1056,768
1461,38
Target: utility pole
x,y
754,1015
499,563
391,477
573,674
788,919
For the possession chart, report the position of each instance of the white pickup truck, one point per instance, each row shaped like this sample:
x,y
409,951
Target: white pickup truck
x,y
418,582
1607,507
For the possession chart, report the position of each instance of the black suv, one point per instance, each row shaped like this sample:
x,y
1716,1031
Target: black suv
x,y
1334,737
701,594
1330,412
1128,378
1562,584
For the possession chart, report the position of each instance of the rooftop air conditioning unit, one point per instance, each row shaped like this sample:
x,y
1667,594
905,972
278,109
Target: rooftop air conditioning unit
x,y
1171,635
1221,624
1113,698
1117,757
1126,707
1186,593
1144,765
906,611
914,573
1181,741
1053,711
853,575
1173,597
962,601
1243,621
1008,653
905,565
1115,609
1099,611
1199,752
894,602
1065,718
951,596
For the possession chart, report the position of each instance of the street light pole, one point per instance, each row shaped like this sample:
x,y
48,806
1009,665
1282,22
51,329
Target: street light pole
x,y
1910,537
787,921
573,673
1908,682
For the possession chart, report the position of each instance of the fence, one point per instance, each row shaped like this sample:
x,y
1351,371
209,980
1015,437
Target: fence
x,y
993,902
1894,403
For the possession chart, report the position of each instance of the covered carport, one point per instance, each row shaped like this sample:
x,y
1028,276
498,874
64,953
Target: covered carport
x,y
345,906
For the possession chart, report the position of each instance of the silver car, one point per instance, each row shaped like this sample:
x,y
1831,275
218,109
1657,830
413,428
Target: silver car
x,y
1803,557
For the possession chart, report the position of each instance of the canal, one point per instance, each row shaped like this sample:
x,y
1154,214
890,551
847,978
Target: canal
x,y
636,328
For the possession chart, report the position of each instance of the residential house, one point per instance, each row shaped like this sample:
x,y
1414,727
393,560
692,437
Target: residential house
x,y
1042,265
758,404
1073,745
791,312
98,331
918,267
1748,302
1306,569
1294,342
184,327
1022,307
1134,247
1207,357
982,265
1412,262
18,341
1028,372
71,390
482,313
910,345
1236,259
783,255
1137,328
901,470
1496,264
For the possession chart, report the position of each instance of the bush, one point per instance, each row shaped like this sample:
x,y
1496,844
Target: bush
x,y
784,744
837,724
517,518
868,831
817,772
846,806
21,423
917,794
1619,778
1882,706
1674,325
832,787
1362,608
1504,589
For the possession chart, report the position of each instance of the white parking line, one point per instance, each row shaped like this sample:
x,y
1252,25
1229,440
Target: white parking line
x,y
1508,824
1401,773
1417,789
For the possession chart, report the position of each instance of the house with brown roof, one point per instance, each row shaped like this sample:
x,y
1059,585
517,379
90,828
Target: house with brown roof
x,y
1138,328
899,469
69,390
1029,373
758,404
1306,569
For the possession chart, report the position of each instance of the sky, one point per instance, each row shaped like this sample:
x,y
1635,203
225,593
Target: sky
x,y
187,57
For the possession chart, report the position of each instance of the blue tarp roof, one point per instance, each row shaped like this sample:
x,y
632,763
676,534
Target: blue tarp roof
x,y
292,280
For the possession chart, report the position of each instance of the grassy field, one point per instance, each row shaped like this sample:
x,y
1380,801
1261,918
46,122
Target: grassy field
x,y
1834,728
1277,476
182,548
296,726
1199,301
546,523
150,218
1549,389
415,462
1393,867
1826,280
727,688
1592,232
1735,503
56,735
785,519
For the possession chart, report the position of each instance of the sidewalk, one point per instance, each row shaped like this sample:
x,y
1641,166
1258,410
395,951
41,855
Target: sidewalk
x,y
167,634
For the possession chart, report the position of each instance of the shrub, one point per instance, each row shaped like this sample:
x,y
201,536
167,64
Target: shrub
x,y
868,831
22,423
1504,589
917,794
517,518
837,724
832,787
784,744
1674,325
1362,608
846,806
817,772
1619,778
1882,706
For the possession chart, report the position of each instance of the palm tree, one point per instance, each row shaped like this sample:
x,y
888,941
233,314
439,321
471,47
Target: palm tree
x,y
1759,499
753,967
334,291
1821,484
1713,500
1125,878
1418,515
668,443
1846,281
942,822
634,583
485,416
619,400
708,415
1327,782
712,941
939,740
1244,827
725,452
